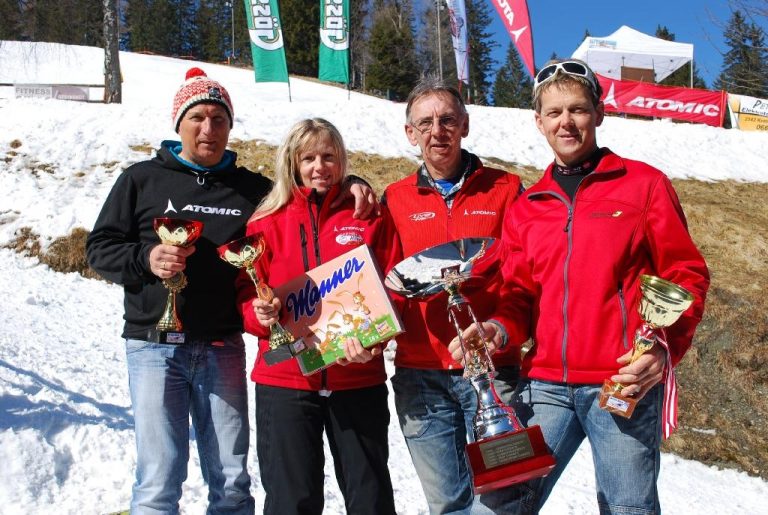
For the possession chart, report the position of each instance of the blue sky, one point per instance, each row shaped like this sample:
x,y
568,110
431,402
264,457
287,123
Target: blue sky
x,y
559,26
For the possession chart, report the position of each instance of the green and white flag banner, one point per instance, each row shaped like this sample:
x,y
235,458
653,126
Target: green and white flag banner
x,y
266,33
334,41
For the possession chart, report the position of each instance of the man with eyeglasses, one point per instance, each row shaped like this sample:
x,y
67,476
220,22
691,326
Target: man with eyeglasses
x,y
578,241
451,196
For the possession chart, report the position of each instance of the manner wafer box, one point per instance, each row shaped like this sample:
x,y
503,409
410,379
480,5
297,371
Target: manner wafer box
x,y
341,298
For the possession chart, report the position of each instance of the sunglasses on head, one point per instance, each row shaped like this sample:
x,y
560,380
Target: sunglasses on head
x,y
573,68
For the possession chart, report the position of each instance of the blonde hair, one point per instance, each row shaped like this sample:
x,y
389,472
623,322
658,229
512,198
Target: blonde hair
x,y
299,137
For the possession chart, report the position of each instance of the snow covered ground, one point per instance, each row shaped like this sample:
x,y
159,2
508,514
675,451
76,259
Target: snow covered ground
x,y
66,426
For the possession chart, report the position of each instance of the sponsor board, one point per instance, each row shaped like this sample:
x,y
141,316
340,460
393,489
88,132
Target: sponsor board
x,y
58,92
748,113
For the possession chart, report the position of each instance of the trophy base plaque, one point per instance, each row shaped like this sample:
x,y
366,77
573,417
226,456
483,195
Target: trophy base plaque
x,y
507,459
166,336
285,352
612,401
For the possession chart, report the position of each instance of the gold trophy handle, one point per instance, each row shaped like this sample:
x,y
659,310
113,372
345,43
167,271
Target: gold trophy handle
x,y
264,292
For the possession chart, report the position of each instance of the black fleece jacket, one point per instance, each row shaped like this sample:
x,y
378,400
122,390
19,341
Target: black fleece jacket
x,y
119,245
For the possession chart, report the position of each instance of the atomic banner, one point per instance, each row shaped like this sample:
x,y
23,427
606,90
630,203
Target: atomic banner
x,y
645,99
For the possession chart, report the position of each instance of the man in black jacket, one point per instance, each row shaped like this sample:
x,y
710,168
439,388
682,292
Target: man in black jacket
x,y
201,370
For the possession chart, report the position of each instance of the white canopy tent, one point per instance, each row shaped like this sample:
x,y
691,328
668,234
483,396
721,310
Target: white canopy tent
x,y
628,48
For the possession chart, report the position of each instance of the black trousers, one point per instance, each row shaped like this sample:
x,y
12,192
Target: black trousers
x,y
289,444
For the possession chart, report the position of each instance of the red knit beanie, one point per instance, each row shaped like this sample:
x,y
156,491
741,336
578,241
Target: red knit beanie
x,y
199,89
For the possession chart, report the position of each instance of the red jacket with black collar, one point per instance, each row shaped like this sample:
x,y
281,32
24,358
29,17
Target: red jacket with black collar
x,y
578,264
424,220
300,236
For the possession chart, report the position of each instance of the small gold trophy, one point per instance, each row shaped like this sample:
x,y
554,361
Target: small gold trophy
x,y
243,253
503,452
661,304
178,232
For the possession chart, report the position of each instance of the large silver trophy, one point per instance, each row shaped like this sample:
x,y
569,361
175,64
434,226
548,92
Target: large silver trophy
x,y
503,451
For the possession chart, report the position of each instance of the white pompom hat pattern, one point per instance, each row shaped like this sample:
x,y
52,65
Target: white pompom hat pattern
x,y
199,89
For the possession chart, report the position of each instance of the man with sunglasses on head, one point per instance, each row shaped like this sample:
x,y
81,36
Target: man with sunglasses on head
x,y
577,242
451,196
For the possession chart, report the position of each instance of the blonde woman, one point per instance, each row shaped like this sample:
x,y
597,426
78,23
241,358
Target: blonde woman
x,y
349,403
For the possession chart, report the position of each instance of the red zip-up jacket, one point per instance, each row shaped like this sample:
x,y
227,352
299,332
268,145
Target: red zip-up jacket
x,y
423,220
579,263
299,237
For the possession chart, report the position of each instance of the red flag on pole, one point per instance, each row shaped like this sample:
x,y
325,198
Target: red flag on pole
x,y
514,14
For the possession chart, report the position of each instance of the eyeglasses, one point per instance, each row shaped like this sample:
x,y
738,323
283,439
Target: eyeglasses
x,y
574,68
447,122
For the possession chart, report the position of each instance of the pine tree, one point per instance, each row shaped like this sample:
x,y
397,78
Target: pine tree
x,y
745,64
513,87
681,76
481,45
394,69
358,43
163,27
242,38
73,22
301,22
10,20
212,38
435,47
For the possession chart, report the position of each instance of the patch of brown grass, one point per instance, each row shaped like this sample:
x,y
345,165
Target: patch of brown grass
x,y
26,242
144,148
724,378
65,254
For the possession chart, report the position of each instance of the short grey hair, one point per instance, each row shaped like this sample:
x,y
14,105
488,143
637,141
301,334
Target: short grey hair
x,y
432,86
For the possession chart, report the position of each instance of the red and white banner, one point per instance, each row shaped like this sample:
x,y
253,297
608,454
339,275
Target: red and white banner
x,y
642,98
458,15
514,14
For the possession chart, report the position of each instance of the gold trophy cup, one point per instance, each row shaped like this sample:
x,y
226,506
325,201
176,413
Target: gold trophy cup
x,y
503,452
243,253
178,232
661,304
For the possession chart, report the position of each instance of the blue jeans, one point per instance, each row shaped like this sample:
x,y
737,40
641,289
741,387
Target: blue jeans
x,y
435,409
167,384
625,451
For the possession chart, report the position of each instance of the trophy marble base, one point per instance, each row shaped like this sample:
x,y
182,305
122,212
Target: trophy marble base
x,y
614,402
285,352
509,458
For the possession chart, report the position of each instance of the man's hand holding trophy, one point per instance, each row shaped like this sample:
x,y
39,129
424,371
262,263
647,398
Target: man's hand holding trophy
x,y
503,451
180,233
661,304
